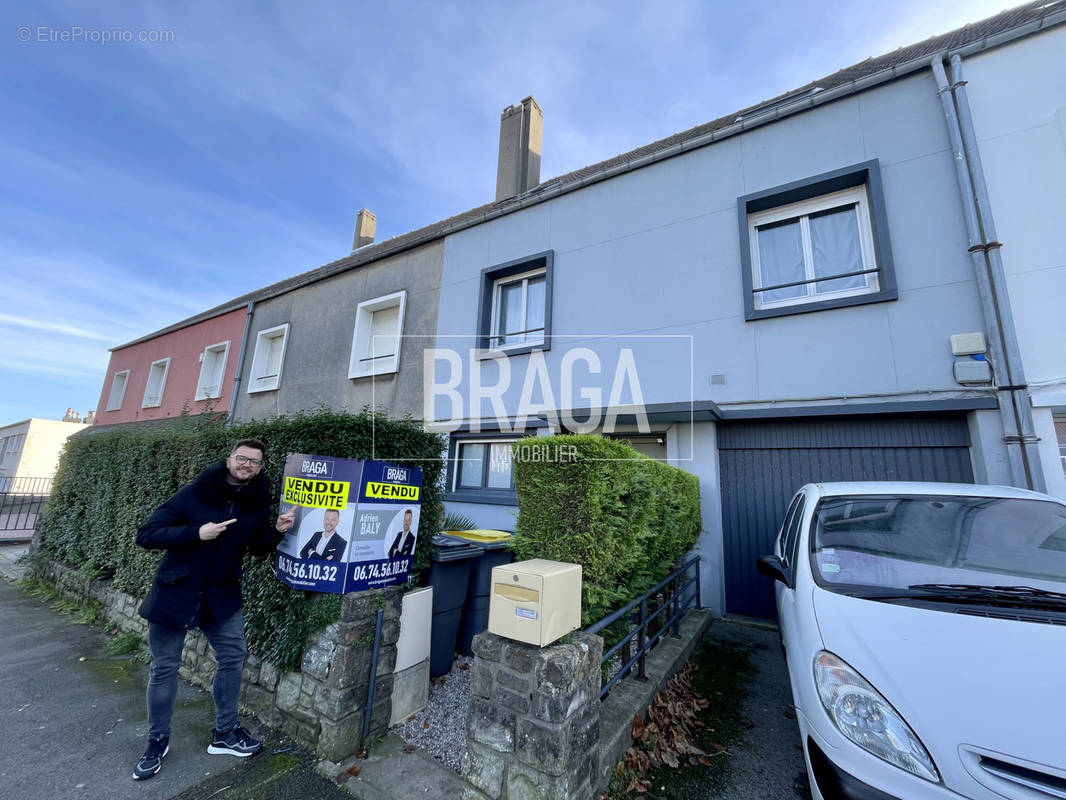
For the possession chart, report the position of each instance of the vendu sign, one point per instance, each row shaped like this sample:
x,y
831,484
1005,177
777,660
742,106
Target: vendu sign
x,y
356,523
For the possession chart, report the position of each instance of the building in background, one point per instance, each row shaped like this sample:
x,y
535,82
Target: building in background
x,y
30,450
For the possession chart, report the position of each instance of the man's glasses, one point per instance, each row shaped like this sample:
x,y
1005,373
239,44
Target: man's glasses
x,y
255,462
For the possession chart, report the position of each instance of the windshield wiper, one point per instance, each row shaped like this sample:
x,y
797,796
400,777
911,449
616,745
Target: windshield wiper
x,y
997,592
1017,596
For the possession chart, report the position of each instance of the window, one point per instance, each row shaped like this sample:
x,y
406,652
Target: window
x,y
157,381
118,390
816,244
377,337
268,359
212,371
515,314
1060,434
483,464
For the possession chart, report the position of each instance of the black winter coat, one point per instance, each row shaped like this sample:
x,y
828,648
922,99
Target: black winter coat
x,y
194,572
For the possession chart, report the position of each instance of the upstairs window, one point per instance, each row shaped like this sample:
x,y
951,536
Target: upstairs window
x,y
268,358
118,390
515,314
377,337
212,371
157,381
816,244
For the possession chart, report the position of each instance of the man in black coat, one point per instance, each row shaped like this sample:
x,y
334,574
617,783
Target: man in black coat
x,y
404,543
205,530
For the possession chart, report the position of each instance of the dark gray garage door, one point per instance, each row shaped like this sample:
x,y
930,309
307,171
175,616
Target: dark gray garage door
x,y
763,463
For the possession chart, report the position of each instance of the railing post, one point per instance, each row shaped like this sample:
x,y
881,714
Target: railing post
x,y
677,608
699,592
642,638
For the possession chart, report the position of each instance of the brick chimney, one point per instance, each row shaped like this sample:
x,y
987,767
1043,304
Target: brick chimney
x,y
365,225
520,135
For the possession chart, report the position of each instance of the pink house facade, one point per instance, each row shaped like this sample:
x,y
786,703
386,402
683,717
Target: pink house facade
x,y
191,367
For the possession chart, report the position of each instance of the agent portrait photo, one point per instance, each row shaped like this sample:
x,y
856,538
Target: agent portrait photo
x,y
404,543
326,544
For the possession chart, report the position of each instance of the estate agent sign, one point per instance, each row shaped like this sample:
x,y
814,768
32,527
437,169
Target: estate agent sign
x,y
355,525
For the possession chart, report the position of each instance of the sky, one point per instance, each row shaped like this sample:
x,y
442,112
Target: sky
x,y
160,158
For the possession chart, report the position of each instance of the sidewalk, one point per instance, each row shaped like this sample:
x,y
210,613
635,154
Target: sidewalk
x,y
74,722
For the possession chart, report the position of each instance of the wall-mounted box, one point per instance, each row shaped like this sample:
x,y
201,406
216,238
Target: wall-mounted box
x,y
968,344
535,601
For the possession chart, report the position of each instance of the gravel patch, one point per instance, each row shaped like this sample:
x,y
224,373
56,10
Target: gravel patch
x,y
440,729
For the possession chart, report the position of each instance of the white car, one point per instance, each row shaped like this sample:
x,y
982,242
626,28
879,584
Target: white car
x,y
924,626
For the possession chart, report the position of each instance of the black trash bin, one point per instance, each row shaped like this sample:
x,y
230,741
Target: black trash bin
x,y
449,575
496,550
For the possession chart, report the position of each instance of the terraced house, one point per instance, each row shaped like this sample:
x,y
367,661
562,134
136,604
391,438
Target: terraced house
x,y
859,279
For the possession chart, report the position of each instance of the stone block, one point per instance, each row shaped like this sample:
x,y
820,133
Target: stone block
x,y
288,692
390,631
552,705
268,676
491,725
542,745
351,667
484,768
359,632
386,660
557,669
316,660
525,783
481,679
518,703
488,646
336,704
513,681
306,733
519,656
340,739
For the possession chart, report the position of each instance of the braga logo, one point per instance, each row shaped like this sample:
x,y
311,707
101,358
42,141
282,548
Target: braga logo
x,y
316,467
396,474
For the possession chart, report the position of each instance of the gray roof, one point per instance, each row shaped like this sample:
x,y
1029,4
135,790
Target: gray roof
x,y
974,37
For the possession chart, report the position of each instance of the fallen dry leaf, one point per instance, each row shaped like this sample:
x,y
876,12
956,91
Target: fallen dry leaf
x,y
354,770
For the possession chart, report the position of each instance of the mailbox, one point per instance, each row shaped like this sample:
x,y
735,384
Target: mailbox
x,y
535,601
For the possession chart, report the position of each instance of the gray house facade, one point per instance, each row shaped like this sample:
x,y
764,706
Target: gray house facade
x,y
811,289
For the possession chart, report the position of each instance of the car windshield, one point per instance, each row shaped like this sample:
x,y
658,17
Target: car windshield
x,y
902,542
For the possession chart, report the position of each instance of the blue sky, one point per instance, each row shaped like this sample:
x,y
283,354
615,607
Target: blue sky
x,y
142,182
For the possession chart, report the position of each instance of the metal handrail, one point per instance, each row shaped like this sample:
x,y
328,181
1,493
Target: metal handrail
x,y
644,644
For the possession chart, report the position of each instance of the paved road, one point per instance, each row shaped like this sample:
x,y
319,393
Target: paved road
x,y
767,762
73,728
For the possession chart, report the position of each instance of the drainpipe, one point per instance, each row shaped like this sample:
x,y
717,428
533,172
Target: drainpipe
x,y
240,362
1012,393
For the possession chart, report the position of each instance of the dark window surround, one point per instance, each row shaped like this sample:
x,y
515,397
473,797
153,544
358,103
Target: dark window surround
x,y
505,497
868,173
489,276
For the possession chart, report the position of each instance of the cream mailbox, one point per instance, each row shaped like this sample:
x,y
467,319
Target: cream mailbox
x,y
535,601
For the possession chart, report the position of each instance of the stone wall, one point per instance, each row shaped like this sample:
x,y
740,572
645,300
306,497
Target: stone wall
x,y
533,727
321,705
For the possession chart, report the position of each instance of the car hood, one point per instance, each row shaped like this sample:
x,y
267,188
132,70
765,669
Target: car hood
x,y
957,679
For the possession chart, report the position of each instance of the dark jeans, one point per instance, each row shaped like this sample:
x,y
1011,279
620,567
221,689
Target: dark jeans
x,y
165,644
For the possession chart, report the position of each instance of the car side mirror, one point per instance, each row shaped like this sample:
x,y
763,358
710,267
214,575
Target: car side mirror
x,y
773,567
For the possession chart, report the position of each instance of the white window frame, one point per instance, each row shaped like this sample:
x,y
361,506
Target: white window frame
x,y
156,400
202,388
258,380
802,210
359,364
497,291
113,403
458,466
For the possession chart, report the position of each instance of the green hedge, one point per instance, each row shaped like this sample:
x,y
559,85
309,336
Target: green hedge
x,y
624,517
109,483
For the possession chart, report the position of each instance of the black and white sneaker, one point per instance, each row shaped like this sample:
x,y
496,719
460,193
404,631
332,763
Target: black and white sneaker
x,y
237,742
152,759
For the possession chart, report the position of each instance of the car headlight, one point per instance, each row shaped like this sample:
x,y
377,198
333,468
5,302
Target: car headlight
x,y
865,717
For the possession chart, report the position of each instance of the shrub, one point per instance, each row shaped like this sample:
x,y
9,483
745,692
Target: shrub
x,y
107,484
624,517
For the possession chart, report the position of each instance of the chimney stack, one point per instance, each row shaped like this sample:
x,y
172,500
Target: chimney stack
x,y
520,135
365,225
